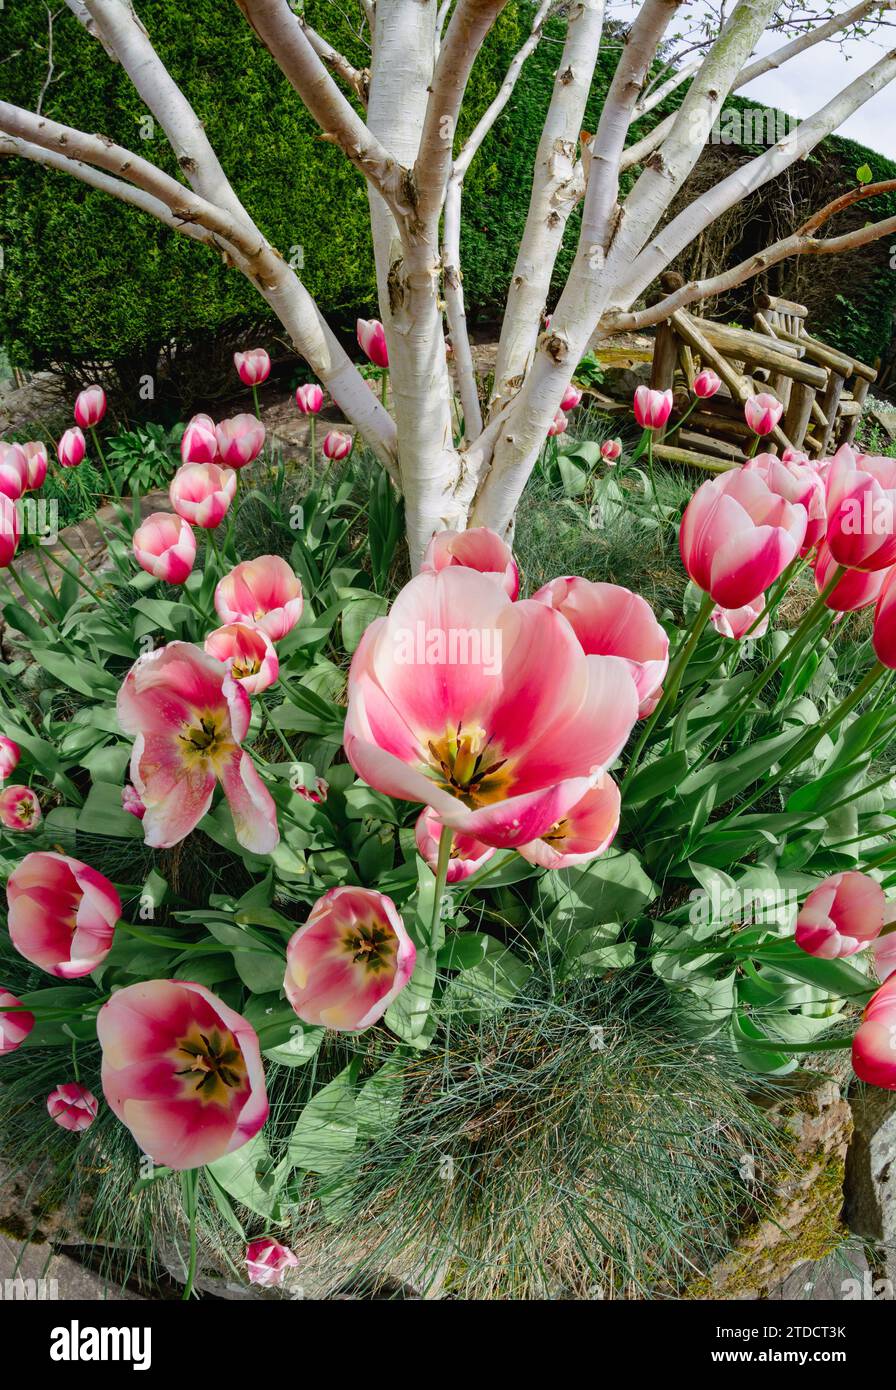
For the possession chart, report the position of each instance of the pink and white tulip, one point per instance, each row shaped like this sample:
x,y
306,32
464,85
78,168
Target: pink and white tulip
x,y
652,408
706,383
201,493
372,339
240,440
467,854
36,462
267,1262
486,710
165,547
248,653
188,717
611,450
182,1072
337,445
349,961
558,425
840,916
15,1023
71,448
265,592
572,397
797,483
10,753
874,1045
310,398
884,632
19,809
762,412
253,366
13,471
477,549
10,530
737,623
200,441
861,510
584,832
316,794
854,589
72,1106
130,801
90,407
612,621
62,913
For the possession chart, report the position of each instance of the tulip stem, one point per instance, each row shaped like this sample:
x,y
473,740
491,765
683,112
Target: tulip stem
x,y
313,451
445,842
255,399
384,388
88,588
190,1189
113,490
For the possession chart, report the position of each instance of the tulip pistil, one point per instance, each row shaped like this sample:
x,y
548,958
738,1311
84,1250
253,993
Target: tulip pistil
x,y
463,762
372,945
215,1064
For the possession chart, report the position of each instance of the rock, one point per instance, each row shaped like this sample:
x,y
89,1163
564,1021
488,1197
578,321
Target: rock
x,y
870,1208
885,419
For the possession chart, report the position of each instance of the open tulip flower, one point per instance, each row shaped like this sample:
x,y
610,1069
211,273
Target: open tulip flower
x,y
36,462
874,1045
182,1071
200,441
612,621
337,445
10,753
477,549
253,366
249,654
372,340
861,510
201,493
798,483
762,412
467,854
841,915
267,1262
349,961
90,407
486,710
71,448
737,623
737,536
265,593
854,589
240,440
13,471
73,1107
584,832
652,408
15,1023
19,809
189,717
165,547
62,913
310,398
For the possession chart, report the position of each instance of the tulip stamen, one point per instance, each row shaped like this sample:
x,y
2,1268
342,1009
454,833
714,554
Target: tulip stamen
x,y
371,944
217,1062
459,763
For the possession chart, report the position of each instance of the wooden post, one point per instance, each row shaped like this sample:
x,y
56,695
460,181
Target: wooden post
x,y
830,403
851,423
796,421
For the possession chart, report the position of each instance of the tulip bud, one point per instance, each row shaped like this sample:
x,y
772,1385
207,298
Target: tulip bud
x,y
9,757
652,408
611,450
15,1025
200,443
736,623
762,412
558,425
165,547
267,1262
240,440
90,407
36,462
253,366
13,471
131,802
72,1106
10,530
706,383
337,445
571,398
71,448
874,1045
372,338
841,915
309,398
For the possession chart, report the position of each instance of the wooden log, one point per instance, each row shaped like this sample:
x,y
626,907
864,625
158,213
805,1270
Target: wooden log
x,y
757,348
796,420
740,387
665,356
860,391
821,353
830,403
780,385
710,444
783,306
692,459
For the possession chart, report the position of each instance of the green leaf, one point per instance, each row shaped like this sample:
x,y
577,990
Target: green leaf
x,y
304,1043
378,1106
357,616
247,1175
490,984
326,1131
408,1015
864,173
103,814
657,777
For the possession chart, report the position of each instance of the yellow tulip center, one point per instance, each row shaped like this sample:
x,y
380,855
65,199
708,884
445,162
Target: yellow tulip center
x,y
465,763
206,739
212,1064
371,944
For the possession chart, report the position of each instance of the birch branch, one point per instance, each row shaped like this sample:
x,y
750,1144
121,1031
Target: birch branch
x,y
358,79
665,89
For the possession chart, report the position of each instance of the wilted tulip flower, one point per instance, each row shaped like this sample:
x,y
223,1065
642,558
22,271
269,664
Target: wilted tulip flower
x,y
612,621
253,366
854,589
762,412
71,448
611,450
19,809
586,831
572,397
349,961
182,1071
13,471
130,802
72,1106
372,338
737,623
558,425
309,398
652,408
202,493
15,1023
36,462
90,407
10,753
189,717
249,654
874,1045
477,549
200,441
265,592
861,510
467,854
486,710
841,915
240,440
62,913
706,383
799,484
165,547
317,794
267,1262
337,445
737,536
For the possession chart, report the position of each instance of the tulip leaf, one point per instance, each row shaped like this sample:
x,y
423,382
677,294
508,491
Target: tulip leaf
x,y
612,889
303,1044
378,1106
326,1131
247,1175
409,1013
103,814
657,777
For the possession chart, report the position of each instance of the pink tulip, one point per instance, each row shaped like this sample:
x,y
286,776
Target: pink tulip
x,y
884,633
265,593
200,442
71,448
558,425
840,916
267,1262
90,407
883,950
372,338
337,445
861,510
253,366
248,653
797,456
189,717
611,621
798,484
854,590
611,450
874,1045
349,961
201,493
736,623
182,1071
486,710
706,383
467,854
62,913
547,322
476,549
72,1106
10,753
310,399
19,809
131,802
13,471
587,830
316,794
737,536
652,408
762,412
240,440
165,547
572,397
10,530
36,462
14,1025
